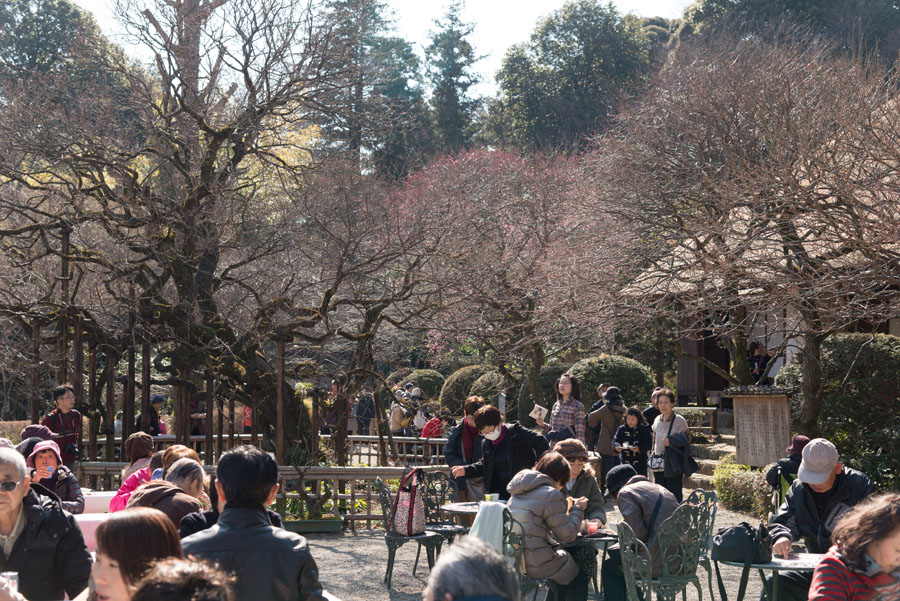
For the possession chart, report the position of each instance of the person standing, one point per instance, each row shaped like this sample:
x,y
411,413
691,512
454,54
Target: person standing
x,y
567,415
652,412
65,423
608,418
365,411
667,425
464,447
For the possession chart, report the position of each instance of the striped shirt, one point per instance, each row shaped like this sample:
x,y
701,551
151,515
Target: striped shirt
x,y
568,414
835,580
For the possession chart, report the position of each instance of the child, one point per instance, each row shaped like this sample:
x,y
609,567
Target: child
x,y
636,434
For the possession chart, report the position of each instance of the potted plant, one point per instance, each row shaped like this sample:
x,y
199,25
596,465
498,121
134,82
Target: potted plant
x,y
313,518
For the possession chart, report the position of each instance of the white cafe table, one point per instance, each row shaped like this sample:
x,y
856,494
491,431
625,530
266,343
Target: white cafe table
x,y
88,523
97,501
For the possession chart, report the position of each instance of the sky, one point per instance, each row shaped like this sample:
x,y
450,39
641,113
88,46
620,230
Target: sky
x,y
498,23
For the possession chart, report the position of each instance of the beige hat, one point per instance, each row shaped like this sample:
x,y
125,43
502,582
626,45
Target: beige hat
x,y
415,392
819,459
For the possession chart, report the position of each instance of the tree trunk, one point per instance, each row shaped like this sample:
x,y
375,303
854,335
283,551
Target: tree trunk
x,y
740,368
536,356
811,363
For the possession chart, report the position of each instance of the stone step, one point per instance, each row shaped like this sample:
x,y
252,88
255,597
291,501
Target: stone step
x,y
727,439
699,480
707,466
712,451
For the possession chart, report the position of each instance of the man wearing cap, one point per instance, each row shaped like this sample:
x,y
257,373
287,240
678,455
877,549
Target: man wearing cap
x,y
823,491
644,505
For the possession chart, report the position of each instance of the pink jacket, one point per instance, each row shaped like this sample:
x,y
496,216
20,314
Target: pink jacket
x,y
132,482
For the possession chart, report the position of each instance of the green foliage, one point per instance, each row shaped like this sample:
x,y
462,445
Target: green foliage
x,y
861,377
398,376
692,416
741,488
559,88
450,61
458,384
634,380
488,386
428,380
549,375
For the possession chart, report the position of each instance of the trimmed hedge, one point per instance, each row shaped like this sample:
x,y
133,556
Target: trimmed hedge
x,y
741,488
549,375
398,376
635,381
488,386
428,380
859,415
458,384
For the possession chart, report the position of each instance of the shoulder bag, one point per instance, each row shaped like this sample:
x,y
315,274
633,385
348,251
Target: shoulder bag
x,y
658,460
409,504
741,543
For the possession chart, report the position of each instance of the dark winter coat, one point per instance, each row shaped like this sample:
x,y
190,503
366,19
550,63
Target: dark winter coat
x,y
49,555
454,451
524,449
273,564
608,418
203,520
642,437
677,457
799,518
64,484
787,467
586,486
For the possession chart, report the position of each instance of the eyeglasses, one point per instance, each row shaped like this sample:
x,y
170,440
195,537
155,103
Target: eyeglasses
x,y
581,459
9,485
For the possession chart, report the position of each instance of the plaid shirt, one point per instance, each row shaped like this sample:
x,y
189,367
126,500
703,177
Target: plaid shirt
x,y
568,414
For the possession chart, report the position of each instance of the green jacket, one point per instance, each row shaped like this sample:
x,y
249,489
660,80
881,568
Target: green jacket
x,y
586,486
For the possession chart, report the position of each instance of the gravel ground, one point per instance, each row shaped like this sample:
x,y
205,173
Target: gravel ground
x,y
352,566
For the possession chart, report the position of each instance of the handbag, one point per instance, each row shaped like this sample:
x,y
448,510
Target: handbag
x,y
658,460
741,543
409,505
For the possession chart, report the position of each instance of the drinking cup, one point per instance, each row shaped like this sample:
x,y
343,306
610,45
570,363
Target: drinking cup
x,y
490,497
12,578
592,526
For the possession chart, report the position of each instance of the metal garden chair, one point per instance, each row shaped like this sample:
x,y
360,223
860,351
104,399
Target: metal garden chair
x,y
710,500
440,489
514,546
430,540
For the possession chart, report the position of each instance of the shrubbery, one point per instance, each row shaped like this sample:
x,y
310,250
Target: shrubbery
x,y
428,380
741,489
635,381
549,375
458,384
860,413
488,386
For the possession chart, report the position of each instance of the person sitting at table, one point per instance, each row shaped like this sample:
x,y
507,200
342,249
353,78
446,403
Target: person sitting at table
x,y
505,450
185,580
177,495
823,491
39,540
781,475
539,505
582,481
864,562
471,569
644,505
464,447
138,451
203,520
49,471
135,480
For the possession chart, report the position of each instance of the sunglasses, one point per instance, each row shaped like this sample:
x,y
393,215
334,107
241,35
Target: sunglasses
x,y
9,485
581,459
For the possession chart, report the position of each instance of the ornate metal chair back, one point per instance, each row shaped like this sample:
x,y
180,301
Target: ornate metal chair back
x,y
710,500
636,564
440,489
680,539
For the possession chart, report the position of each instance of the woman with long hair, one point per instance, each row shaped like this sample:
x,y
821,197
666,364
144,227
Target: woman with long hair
x,y
567,415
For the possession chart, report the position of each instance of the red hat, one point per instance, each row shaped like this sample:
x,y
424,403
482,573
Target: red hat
x,y
797,445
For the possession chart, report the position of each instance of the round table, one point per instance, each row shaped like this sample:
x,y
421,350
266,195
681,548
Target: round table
x,y
465,508
88,523
97,501
799,562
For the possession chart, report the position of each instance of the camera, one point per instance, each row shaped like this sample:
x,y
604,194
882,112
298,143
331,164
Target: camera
x,y
71,449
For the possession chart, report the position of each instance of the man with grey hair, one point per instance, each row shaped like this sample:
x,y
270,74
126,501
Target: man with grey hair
x,y
39,540
177,495
471,570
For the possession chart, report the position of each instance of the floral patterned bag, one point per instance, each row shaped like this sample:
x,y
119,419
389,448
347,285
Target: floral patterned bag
x,y
409,505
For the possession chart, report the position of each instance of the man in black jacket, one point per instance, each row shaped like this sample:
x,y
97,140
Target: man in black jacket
x,y
40,541
506,450
270,563
823,491
464,447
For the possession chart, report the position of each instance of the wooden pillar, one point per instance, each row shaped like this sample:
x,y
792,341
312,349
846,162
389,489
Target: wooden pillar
x,y
92,379
78,368
110,404
254,428
231,444
220,447
314,438
178,409
62,374
210,455
35,372
128,404
279,406
147,320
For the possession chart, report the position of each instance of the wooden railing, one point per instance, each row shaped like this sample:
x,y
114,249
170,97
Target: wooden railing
x,y
162,441
352,490
410,450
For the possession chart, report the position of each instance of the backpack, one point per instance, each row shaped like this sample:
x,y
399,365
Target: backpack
x,y
741,543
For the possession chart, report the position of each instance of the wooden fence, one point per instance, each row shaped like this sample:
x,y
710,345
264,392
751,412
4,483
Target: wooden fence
x,y
410,450
351,489
198,443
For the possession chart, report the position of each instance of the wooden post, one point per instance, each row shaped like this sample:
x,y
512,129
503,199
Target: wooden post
x,y
279,406
110,405
220,446
147,319
178,408
62,374
209,454
231,444
35,372
92,379
128,408
314,439
254,429
78,371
